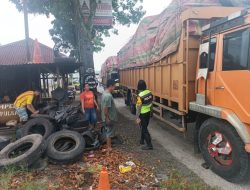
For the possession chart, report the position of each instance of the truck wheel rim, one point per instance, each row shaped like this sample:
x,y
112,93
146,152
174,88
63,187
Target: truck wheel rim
x,y
220,148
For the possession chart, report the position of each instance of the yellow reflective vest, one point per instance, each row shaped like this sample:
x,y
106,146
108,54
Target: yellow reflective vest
x,y
145,99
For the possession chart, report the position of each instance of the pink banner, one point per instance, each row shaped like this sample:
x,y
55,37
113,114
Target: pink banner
x,y
103,16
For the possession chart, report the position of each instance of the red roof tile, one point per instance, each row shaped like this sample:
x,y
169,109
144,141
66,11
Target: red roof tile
x,y
15,53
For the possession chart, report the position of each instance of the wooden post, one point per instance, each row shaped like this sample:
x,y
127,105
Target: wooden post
x,y
47,81
44,85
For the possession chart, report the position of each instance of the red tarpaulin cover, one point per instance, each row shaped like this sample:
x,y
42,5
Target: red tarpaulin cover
x,y
158,36
110,64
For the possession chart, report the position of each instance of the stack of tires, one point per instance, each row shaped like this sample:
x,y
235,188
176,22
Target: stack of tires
x,y
38,138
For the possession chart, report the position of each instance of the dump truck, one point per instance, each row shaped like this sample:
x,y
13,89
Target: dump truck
x,y
110,70
196,60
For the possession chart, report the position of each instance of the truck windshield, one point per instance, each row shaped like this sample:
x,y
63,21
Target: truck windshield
x,y
115,76
236,51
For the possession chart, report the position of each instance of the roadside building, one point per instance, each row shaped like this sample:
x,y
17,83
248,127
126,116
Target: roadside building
x,y
46,70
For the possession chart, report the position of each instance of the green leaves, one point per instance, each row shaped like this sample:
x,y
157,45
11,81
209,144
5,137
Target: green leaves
x,y
127,12
67,25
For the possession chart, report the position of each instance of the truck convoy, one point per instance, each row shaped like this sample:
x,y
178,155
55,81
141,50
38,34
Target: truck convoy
x,y
195,58
110,70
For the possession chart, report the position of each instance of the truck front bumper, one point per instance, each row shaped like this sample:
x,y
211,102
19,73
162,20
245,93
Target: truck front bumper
x,y
228,115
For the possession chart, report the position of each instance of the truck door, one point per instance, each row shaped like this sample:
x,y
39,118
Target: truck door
x,y
206,72
232,86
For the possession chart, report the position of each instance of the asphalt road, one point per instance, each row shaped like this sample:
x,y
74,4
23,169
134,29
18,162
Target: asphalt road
x,y
182,149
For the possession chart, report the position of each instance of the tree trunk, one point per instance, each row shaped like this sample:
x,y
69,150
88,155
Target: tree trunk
x,y
86,48
87,70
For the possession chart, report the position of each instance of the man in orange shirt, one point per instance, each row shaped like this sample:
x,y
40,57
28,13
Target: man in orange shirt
x,y
88,102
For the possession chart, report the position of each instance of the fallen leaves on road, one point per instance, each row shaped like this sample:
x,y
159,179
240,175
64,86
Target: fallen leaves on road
x,y
140,175
85,175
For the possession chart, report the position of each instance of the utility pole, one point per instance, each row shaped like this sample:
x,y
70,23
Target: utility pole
x,y
26,26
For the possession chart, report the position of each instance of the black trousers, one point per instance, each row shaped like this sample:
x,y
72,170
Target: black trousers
x,y
145,136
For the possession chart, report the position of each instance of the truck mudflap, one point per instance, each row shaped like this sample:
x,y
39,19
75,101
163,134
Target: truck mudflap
x,y
227,115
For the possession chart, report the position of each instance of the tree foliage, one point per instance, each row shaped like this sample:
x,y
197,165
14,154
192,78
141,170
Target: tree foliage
x,y
68,20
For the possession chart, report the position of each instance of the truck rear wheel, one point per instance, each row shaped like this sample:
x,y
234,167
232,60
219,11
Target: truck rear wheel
x,y
132,107
223,150
127,98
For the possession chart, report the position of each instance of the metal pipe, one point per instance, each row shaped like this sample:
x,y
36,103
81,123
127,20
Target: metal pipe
x,y
208,68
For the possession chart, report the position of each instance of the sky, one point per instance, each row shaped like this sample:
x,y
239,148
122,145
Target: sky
x,y
12,28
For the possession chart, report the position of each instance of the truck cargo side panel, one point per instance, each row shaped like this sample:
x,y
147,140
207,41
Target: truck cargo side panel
x,y
166,83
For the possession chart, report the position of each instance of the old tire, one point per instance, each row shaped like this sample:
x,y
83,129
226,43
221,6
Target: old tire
x,y
65,147
217,136
40,126
23,152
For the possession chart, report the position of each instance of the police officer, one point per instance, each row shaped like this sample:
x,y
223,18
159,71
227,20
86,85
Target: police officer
x,y
143,113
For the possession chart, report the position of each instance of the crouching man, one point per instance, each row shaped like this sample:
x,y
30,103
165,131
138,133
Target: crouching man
x,y
24,102
109,112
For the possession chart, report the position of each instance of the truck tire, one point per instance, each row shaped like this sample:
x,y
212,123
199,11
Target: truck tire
x,y
133,109
127,98
223,150
132,106
126,102
40,126
65,147
23,152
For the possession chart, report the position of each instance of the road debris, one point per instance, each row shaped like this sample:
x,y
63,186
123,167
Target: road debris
x,y
130,163
86,175
125,169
